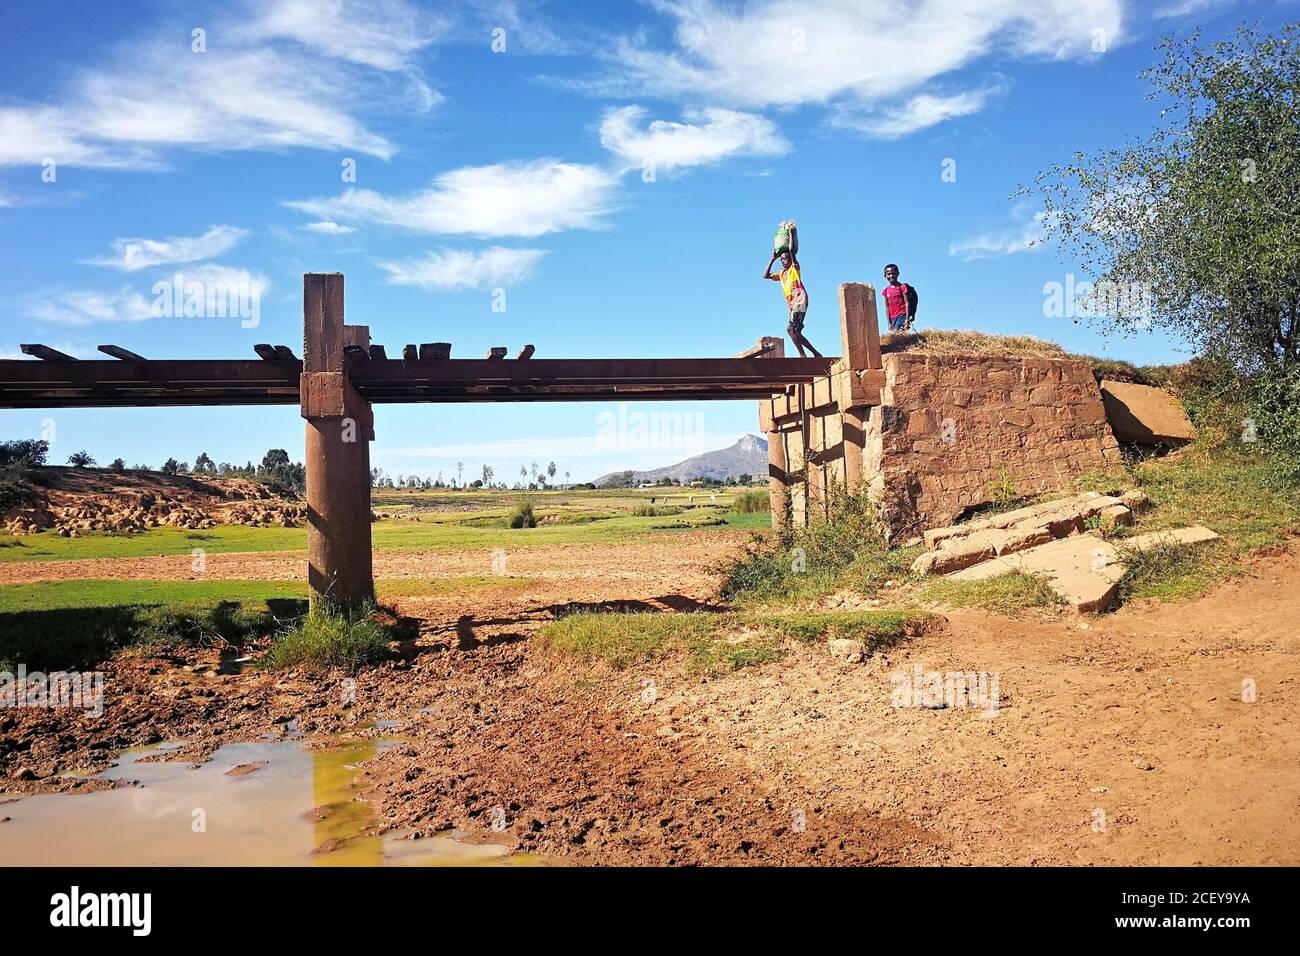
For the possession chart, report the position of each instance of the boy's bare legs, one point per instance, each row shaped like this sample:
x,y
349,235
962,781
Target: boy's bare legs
x,y
795,331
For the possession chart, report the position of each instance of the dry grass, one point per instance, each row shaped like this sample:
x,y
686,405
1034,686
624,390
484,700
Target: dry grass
x,y
961,342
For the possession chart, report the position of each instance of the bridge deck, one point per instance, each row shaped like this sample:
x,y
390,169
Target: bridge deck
x,y
86,384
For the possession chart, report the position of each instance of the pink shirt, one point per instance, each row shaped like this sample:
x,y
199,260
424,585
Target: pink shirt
x,y
895,300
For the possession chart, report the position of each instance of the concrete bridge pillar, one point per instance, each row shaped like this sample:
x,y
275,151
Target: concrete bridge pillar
x,y
340,427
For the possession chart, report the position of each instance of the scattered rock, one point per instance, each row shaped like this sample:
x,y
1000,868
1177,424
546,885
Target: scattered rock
x,y
847,650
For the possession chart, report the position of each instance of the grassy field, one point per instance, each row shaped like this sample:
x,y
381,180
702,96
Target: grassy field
x,y
588,517
85,593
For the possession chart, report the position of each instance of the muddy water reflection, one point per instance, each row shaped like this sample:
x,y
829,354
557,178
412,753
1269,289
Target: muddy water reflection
x,y
252,804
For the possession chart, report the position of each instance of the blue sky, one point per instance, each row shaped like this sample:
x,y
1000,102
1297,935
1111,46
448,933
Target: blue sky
x,y
610,172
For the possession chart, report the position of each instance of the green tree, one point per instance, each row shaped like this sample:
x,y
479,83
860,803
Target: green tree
x,y
1200,218
81,459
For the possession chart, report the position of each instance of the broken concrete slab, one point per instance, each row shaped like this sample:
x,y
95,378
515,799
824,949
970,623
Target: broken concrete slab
x,y
1135,500
1145,415
1116,515
1083,569
961,554
1018,517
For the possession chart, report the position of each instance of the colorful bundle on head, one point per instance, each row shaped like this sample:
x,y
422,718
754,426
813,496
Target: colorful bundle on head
x,y
787,239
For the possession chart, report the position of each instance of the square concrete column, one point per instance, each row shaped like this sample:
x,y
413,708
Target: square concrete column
x,y
340,428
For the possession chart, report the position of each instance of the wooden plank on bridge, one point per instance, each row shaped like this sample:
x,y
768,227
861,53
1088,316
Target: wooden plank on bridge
x,y
120,353
46,354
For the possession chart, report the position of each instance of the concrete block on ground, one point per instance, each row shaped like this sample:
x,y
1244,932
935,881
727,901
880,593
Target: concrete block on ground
x,y
1135,500
1146,415
1083,569
1117,515
959,556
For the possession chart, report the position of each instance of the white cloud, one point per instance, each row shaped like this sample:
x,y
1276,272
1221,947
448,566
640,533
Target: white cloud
x,y
230,280
327,228
1181,8
385,34
460,270
131,255
88,307
920,112
527,199
290,77
707,136
93,306
852,55
1023,237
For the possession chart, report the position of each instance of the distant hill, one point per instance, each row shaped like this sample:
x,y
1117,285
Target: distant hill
x,y
748,456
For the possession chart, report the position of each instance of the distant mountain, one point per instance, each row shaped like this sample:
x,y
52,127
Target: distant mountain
x,y
748,456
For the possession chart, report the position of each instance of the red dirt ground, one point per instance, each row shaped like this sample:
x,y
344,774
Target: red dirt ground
x,y
1120,739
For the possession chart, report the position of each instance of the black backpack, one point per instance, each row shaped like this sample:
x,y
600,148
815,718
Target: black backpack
x,y
912,299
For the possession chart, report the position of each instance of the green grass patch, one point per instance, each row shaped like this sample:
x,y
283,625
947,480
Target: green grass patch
x,y
1173,571
1005,594
711,643
1231,492
325,638
656,511
877,629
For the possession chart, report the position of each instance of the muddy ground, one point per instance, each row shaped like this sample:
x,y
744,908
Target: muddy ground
x,y
1117,739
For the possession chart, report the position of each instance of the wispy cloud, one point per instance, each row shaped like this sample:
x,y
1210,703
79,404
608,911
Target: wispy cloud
x,y
132,255
920,112
294,73
854,56
460,270
327,228
707,136
89,307
1028,234
1182,8
526,199
80,307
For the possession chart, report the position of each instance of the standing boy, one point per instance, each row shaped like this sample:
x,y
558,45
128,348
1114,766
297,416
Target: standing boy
x,y
796,299
900,301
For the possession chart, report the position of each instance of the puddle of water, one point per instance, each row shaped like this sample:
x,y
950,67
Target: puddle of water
x,y
294,807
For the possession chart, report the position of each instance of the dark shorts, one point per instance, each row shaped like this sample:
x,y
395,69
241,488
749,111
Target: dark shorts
x,y
896,324
796,320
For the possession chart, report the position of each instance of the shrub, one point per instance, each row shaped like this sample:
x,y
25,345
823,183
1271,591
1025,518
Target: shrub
x,y
751,502
522,516
329,637
18,459
848,549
